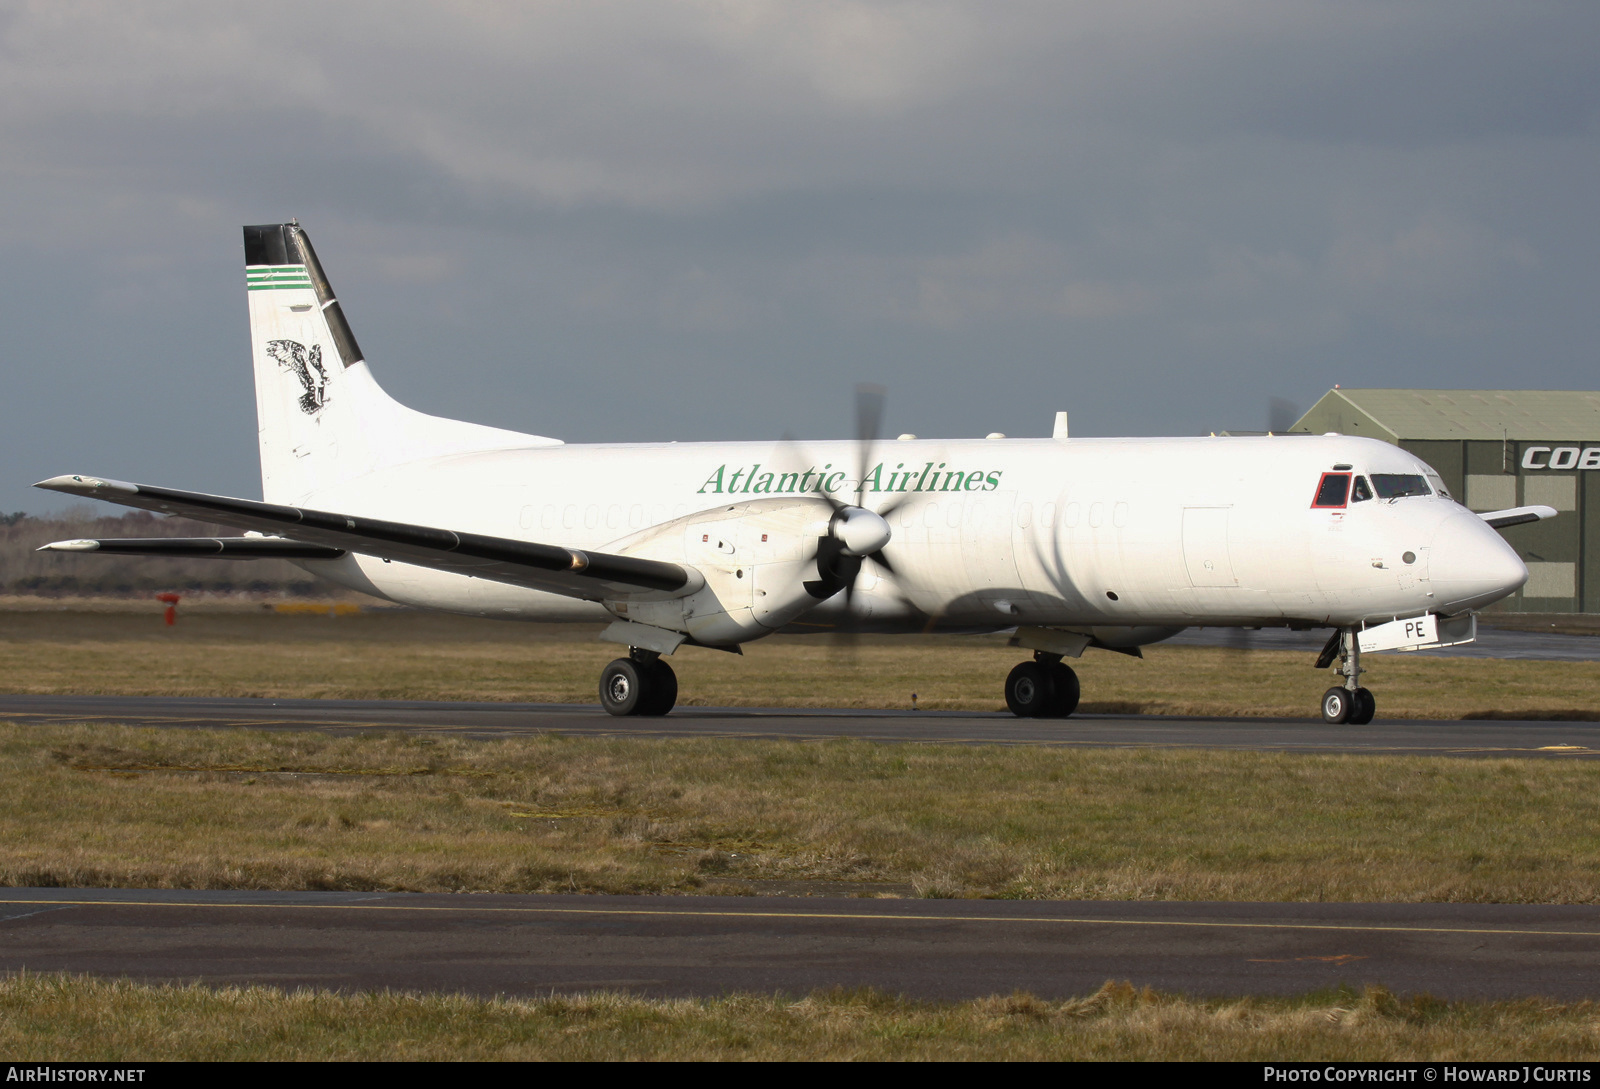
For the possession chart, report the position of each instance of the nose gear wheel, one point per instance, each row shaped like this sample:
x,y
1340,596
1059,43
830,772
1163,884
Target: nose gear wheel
x,y
1348,703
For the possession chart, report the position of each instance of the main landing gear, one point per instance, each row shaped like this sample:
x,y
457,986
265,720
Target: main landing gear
x,y
1043,688
1349,702
640,684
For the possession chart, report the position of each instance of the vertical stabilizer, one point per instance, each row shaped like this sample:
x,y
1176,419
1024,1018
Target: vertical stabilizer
x,y
322,419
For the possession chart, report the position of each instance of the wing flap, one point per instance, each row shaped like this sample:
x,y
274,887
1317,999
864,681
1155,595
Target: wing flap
x,y
566,571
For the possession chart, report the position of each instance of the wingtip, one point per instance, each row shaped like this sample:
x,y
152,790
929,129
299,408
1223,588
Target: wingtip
x,y
81,545
78,484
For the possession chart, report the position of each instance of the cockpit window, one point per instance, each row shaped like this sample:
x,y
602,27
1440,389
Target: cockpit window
x,y
1398,485
1333,489
1361,491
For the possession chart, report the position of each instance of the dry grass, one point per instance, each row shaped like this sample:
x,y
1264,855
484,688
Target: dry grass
x,y
119,806
76,1019
408,655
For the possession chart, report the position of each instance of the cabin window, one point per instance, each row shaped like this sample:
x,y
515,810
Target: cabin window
x,y
1361,491
1399,485
1333,490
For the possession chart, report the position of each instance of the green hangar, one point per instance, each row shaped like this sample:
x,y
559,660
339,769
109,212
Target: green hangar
x,y
1498,449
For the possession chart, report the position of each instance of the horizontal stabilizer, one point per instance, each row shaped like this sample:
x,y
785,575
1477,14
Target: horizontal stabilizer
x,y
1517,516
590,576
231,548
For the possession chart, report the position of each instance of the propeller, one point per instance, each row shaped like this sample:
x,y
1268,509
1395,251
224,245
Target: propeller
x,y
854,532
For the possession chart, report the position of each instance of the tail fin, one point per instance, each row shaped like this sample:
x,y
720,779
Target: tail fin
x,y
322,418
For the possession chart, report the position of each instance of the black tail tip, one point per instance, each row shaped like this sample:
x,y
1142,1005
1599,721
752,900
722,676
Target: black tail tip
x,y
271,244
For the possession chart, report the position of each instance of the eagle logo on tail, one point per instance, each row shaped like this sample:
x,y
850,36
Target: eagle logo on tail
x,y
307,366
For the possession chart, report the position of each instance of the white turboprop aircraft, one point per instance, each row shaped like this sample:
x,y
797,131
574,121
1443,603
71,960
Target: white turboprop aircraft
x,y
1075,543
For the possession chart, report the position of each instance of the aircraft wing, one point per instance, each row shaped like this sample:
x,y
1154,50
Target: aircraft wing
x,y
567,571
1516,516
232,548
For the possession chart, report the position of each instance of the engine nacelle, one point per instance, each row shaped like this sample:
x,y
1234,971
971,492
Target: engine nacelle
x,y
765,562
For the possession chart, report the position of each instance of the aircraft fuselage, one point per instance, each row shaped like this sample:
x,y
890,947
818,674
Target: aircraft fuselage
x,y
987,534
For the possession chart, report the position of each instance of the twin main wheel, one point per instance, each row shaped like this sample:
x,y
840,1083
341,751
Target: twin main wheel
x,y
1042,690
632,687
1342,705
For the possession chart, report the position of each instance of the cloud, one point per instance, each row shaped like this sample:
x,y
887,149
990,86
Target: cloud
x,y
677,105
705,200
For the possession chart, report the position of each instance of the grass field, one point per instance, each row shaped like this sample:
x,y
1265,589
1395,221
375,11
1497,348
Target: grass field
x,y
117,806
74,1019
413,655
138,807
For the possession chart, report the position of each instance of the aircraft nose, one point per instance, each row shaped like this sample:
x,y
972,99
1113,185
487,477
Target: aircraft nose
x,y
1470,565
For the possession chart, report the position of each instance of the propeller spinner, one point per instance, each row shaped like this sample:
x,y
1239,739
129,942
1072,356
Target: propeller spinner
x,y
862,532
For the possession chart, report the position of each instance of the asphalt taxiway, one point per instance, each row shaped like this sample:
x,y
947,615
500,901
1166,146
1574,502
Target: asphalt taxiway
x,y
498,944
1566,740
703,945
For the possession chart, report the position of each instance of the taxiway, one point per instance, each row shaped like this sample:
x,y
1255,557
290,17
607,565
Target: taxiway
x,y
1568,740
704,945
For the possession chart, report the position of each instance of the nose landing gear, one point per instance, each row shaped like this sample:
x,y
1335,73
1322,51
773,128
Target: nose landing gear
x,y
640,684
1347,703
1043,688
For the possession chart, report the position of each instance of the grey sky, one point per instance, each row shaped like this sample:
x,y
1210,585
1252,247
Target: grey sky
x,y
709,220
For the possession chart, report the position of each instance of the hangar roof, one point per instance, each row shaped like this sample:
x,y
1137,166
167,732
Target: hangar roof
x,y
1398,414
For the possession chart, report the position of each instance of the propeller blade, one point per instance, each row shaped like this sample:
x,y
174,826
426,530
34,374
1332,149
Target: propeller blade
x,y
869,421
788,444
894,504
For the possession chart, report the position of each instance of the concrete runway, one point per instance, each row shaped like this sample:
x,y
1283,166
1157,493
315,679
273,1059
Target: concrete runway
x,y
703,945
1567,740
